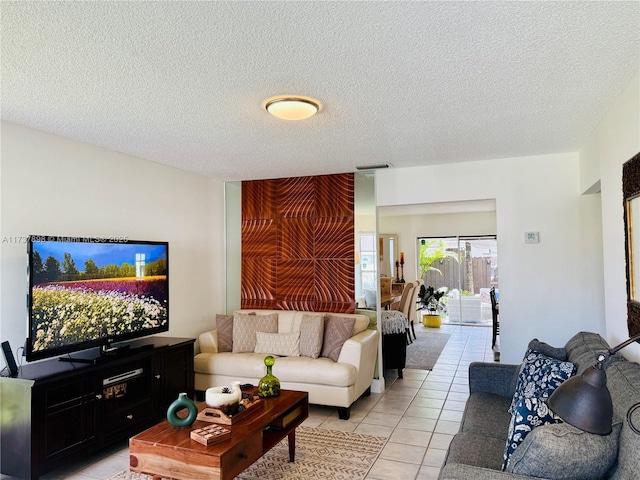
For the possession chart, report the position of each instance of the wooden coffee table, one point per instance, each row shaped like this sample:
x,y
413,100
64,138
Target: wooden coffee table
x,y
163,451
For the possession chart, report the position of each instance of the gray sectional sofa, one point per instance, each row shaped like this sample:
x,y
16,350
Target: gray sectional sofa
x,y
476,451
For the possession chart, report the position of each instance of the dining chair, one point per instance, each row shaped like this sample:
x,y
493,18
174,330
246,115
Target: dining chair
x,y
385,285
404,306
494,314
409,308
394,340
413,306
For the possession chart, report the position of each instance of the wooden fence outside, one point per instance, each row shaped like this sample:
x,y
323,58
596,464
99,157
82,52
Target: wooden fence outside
x,y
451,271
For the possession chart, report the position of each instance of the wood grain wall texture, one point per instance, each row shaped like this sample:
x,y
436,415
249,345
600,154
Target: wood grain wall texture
x,y
298,244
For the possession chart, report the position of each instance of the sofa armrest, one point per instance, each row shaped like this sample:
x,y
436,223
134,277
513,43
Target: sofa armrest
x,y
361,351
354,348
208,341
459,471
496,378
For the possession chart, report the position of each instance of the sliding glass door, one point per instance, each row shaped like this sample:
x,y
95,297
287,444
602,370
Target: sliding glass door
x,y
466,268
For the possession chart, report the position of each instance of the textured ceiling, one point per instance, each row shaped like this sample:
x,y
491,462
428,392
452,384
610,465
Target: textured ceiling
x,y
405,83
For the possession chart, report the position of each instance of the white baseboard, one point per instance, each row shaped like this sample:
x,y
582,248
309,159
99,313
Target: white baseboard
x,y
377,386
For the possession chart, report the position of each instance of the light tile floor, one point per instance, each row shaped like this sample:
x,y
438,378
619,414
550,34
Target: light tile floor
x,y
419,415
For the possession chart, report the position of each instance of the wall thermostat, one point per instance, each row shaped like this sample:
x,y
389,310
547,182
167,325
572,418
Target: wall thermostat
x,y
531,237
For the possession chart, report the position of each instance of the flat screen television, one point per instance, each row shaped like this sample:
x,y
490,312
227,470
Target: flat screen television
x,y
87,292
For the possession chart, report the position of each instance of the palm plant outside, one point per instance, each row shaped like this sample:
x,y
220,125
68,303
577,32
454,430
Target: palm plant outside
x,y
430,252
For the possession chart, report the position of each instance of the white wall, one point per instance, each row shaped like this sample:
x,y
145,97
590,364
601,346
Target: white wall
x,y
613,142
410,227
548,290
52,185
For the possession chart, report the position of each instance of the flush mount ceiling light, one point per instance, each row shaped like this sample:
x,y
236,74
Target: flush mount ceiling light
x,y
292,107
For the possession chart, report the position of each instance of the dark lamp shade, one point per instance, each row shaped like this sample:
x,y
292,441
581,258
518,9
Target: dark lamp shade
x,y
584,401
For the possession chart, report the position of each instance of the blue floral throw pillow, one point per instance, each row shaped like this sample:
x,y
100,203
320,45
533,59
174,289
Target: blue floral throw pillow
x,y
539,376
528,414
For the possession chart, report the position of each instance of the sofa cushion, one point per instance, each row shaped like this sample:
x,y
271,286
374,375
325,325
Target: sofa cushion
x,y
582,348
224,327
284,344
559,353
311,335
528,414
318,371
337,330
623,381
539,376
564,452
236,365
476,450
245,327
486,414
361,323
497,378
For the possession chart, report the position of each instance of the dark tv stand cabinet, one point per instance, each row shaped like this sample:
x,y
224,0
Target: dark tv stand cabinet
x,y
57,411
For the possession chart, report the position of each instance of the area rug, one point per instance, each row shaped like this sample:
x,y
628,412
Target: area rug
x,y
320,455
425,350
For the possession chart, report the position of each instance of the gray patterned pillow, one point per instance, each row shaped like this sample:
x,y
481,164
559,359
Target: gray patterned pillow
x,y
337,330
568,453
224,326
245,327
311,335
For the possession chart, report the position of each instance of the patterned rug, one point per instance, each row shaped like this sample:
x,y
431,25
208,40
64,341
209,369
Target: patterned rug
x,y
320,455
425,350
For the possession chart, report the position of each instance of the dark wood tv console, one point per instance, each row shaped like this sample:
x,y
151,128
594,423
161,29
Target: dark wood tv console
x,y
55,410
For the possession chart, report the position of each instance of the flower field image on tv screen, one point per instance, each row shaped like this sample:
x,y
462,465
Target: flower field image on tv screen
x,y
85,291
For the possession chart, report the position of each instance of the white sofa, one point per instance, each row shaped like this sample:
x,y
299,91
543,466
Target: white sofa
x,y
331,383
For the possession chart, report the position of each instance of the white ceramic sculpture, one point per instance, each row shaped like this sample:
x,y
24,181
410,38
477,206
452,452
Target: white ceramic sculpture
x,y
225,399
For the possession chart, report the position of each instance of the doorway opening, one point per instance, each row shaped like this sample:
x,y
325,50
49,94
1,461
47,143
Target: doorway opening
x,y
465,268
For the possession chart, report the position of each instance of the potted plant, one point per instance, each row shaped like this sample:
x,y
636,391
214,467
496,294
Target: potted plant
x,y
431,306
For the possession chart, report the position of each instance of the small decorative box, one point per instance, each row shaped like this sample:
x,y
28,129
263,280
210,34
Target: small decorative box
x,y
215,415
210,434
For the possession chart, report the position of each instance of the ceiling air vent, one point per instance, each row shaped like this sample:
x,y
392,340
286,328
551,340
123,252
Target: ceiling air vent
x,y
373,167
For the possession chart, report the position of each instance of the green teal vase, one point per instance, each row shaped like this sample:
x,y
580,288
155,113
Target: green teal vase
x,y
269,385
180,403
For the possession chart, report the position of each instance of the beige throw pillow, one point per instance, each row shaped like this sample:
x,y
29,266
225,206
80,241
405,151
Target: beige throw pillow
x,y
337,330
282,344
224,326
245,328
311,335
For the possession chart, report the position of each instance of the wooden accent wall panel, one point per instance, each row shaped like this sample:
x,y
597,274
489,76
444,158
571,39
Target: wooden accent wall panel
x,y
297,244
